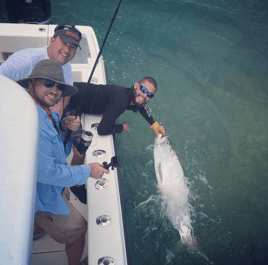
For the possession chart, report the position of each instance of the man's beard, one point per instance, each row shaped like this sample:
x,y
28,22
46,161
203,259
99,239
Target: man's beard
x,y
133,100
45,105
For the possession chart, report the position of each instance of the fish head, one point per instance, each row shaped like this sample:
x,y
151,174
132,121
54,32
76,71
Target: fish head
x,y
161,141
162,147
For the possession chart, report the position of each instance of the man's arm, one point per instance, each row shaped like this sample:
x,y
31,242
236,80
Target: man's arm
x,y
16,67
116,104
146,114
52,170
107,124
154,124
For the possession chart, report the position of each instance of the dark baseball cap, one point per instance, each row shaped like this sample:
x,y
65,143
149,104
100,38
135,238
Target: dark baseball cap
x,y
68,33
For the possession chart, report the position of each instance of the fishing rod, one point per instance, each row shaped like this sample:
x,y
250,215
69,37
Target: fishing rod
x,y
68,135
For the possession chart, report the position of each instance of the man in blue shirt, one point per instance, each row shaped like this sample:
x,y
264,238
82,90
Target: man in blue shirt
x,y
54,213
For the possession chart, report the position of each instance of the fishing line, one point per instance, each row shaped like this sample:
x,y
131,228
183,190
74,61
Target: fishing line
x,y
68,135
144,40
122,11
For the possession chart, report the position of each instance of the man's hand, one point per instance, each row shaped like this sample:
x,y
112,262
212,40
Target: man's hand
x,y
97,170
126,127
70,122
158,129
59,106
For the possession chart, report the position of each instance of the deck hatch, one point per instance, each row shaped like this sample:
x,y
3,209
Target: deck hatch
x,y
103,220
99,153
101,184
106,261
94,126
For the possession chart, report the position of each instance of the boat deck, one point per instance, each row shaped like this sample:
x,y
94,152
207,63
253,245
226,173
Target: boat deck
x,y
47,251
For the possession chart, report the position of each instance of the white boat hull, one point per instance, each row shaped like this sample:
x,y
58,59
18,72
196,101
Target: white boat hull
x,y
19,138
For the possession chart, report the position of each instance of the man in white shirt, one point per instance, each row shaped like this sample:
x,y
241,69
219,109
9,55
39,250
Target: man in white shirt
x,y
62,48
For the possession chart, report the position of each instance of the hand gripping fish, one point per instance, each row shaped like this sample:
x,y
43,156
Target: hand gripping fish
x,y
173,188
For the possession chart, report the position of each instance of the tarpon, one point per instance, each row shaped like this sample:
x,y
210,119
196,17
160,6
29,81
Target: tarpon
x,y
174,189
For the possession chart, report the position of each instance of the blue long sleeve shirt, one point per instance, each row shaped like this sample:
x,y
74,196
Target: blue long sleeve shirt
x,y
53,172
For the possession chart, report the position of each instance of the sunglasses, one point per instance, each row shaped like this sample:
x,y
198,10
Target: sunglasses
x,y
71,28
51,83
144,90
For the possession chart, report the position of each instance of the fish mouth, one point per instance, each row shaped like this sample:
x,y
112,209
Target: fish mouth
x,y
161,139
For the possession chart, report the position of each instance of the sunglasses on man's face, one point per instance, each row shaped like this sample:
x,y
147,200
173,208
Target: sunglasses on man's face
x,y
72,29
51,83
144,90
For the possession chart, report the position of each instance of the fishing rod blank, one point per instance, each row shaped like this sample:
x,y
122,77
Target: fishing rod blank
x,y
68,135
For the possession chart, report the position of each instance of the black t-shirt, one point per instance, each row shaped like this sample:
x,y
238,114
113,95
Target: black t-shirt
x,y
109,100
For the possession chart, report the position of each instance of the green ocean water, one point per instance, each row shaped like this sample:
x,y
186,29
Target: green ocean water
x,y
210,60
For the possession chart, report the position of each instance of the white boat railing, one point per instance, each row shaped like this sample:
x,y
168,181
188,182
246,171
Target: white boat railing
x,y
105,219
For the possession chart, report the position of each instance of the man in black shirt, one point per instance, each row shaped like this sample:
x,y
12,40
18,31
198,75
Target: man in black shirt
x,y
112,101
